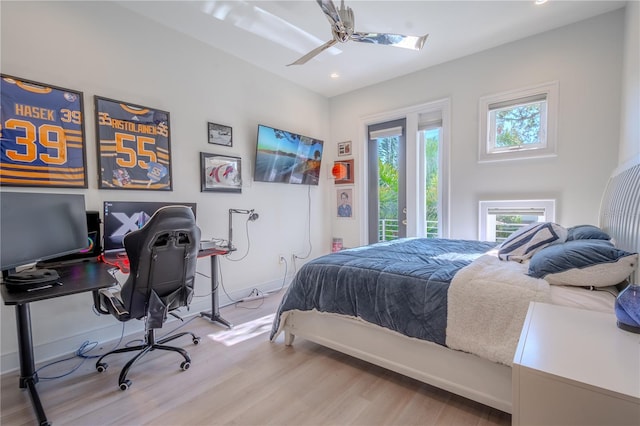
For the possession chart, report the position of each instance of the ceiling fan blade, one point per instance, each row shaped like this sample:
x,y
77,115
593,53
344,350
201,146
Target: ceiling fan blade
x,y
314,52
331,12
397,40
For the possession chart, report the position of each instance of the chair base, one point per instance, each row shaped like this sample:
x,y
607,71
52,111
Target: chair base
x,y
149,345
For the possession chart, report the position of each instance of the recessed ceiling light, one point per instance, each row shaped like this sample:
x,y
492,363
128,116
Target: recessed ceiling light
x,y
335,75
539,2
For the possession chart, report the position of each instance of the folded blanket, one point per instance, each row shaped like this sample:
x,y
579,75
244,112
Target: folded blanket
x,y
487,304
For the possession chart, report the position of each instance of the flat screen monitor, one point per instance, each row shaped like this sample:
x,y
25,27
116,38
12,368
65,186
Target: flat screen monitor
x,y
39,226
287,157
122,217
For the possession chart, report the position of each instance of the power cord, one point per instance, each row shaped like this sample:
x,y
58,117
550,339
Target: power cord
x,y
238,304
82,353
284,278
228,256
306,256
220,283
211,292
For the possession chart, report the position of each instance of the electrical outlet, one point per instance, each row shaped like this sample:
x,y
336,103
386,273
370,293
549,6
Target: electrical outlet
x,y
281,258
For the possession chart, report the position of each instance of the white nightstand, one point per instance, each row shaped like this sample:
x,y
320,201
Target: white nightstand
x,y
575,367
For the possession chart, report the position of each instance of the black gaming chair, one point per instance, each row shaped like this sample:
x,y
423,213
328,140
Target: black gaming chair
x,y
162,257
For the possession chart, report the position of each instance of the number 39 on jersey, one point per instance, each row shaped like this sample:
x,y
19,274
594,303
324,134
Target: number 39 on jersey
x,y
42,135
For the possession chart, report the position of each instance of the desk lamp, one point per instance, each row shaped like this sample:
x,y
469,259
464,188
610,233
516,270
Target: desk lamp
x,y
252,217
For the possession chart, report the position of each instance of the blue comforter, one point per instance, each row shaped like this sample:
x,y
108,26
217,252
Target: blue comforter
x,y
401,285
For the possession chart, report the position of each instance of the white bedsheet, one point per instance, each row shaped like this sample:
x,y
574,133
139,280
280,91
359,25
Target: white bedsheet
x,y
601,299
488,302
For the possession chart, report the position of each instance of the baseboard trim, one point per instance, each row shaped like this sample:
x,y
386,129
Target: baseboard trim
x,y
104,336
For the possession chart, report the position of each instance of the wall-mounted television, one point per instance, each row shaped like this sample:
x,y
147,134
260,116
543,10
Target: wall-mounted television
x,y
287,157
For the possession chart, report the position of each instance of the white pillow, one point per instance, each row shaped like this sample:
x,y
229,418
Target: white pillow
x,y
523,244
583,263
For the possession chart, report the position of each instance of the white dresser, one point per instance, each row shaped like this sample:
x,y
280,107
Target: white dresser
x,y
575,367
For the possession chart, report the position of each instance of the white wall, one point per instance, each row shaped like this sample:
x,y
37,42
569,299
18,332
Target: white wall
x,y
102,49
585,58
630,116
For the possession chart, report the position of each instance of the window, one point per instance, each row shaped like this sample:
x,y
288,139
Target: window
x,y
430,140
423,181
499,219
519,124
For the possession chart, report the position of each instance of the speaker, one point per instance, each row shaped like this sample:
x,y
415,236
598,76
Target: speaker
x,y
89,253
94,238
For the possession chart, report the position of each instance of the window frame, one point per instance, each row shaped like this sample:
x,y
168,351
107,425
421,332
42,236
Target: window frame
x,y
485,206
488,152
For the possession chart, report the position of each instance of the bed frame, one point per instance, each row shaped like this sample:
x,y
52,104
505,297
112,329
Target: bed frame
x,y
458,372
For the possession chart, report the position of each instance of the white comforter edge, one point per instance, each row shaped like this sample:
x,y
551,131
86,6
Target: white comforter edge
x,y
487,304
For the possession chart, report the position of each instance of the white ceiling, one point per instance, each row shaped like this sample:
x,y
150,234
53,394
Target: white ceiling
x,y
272,34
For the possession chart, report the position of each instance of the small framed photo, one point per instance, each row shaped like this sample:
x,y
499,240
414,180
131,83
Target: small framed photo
x,y
344,149
345,171
344,203
220,173
219,134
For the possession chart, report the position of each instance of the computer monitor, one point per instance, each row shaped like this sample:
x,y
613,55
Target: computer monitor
x,y
122,217
40,226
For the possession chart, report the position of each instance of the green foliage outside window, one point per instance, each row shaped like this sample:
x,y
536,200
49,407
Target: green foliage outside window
x,y
432,145
388,183
518,126
507,225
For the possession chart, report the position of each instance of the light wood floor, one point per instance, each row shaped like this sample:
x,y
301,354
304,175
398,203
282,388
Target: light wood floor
x,y
252,382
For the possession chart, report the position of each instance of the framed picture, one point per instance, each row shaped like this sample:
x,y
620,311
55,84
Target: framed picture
x,y
43,139
134,146
220,173
344,149
344,203
345,172
219,134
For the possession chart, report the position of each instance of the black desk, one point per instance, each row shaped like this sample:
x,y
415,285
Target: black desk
x,y
76,278
214,314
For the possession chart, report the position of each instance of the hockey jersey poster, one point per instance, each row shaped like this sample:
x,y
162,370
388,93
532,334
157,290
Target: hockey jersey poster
x,y
133,146
42,139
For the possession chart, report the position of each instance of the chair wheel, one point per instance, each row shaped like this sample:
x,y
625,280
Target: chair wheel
x,y
102,367
185,365
125,385
196,340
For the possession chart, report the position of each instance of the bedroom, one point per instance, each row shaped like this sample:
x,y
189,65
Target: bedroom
x,y
587,58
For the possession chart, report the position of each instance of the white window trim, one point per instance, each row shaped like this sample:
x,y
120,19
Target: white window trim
x,y
415,213
550,91
486,226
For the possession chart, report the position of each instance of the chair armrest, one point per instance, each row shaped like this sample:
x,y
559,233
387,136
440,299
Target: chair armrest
x,y
97,304
107,302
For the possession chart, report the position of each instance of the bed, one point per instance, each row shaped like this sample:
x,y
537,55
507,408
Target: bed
x,y
448,312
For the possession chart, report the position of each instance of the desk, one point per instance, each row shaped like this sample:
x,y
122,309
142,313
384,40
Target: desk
x,y
76,278
214,314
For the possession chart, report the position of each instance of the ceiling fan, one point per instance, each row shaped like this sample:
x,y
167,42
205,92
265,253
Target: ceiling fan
x,y
342,27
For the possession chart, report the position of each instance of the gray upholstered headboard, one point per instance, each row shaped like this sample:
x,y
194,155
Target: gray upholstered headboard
x,y
620,210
